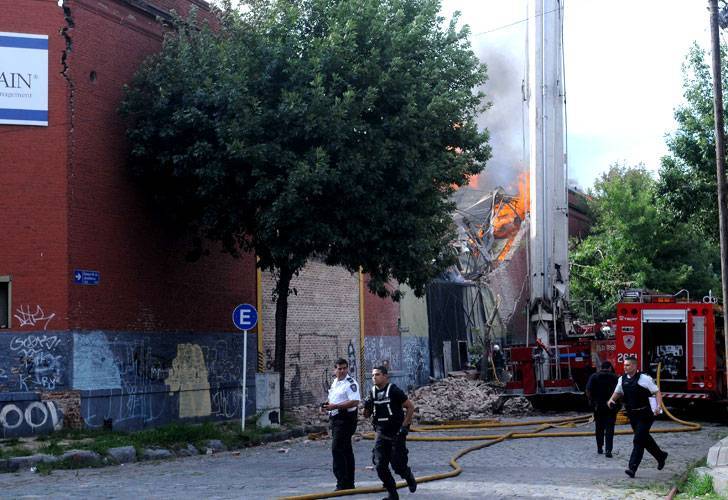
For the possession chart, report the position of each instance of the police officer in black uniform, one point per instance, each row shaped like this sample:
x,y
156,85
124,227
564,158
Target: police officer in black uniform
x,y
637,388
392,415
342,405
599,389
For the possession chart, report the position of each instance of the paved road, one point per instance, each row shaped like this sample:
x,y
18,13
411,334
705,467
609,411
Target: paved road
x,y
526,468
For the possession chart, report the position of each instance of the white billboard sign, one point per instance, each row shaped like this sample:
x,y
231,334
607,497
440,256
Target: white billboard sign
x,y
23,79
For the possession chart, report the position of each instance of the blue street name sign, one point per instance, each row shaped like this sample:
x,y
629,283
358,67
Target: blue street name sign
x,y
245,317
85,277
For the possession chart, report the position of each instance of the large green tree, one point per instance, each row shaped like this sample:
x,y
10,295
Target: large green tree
x,y
300,129
637,243
687,182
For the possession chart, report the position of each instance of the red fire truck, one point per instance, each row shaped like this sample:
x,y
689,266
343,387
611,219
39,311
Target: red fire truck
x,y
686,336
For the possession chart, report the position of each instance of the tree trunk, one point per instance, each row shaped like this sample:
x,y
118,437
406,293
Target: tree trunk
x,y
282,289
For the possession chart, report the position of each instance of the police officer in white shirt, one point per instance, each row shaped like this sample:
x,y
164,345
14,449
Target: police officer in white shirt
x,y
637,388
342,405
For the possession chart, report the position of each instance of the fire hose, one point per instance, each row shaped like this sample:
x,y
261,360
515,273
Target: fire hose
x,y
492,439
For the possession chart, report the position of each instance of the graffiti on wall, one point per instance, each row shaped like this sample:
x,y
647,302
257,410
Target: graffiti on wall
x,y
25,418
416,360
38,318
188,376
37,362
224,360
382,351
156,378
313,385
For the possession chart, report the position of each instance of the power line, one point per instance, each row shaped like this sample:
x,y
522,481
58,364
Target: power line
x,y
514,23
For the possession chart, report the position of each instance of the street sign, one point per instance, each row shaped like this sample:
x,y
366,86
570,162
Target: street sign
x,y
85,277
245,317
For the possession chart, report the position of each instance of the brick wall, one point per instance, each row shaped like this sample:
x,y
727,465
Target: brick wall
x,y
323,325
33,205
145,282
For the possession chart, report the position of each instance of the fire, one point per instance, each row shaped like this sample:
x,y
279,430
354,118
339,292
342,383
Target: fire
x,y
511,213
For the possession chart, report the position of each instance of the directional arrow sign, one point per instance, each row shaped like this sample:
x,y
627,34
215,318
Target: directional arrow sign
x,y
86,277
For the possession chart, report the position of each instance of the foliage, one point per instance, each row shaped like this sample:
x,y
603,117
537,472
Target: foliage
x,y
300,129
697,485
687,181
323,128
636,243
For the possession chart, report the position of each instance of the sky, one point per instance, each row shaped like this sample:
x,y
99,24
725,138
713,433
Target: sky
x,y
623,78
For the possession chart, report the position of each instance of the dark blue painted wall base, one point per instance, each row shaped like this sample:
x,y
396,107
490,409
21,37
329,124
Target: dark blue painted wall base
x,y
128,380
24,414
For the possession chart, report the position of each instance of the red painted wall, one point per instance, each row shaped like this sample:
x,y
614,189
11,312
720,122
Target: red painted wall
x,y
381,316
33,205
70,187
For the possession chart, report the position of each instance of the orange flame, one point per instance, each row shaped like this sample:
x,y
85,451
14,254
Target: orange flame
x,y
511,214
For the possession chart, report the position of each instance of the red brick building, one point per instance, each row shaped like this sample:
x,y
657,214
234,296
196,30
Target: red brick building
x,y
146,316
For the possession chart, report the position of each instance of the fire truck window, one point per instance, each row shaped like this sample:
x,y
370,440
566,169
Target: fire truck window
x,y
665,343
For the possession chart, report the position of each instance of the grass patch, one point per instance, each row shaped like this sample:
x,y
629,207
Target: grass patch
x,y
698,485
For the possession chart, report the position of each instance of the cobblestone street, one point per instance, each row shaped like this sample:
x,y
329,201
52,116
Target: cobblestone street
x,y
535,468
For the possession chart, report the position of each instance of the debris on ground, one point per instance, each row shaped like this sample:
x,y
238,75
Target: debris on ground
x,y
464,399
452,398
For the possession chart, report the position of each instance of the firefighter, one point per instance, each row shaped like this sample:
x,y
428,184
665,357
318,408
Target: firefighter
x,y
392,415
342,405
636,388
499,363
599,388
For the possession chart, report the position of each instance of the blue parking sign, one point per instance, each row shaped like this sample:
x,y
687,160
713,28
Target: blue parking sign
x,y
245,317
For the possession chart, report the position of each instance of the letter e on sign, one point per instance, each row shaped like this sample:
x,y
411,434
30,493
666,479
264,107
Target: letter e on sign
x,y
245,317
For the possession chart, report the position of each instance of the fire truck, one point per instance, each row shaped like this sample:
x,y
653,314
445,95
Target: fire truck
x,y
684,335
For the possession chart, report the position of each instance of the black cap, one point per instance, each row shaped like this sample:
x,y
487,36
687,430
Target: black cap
x,y
606,365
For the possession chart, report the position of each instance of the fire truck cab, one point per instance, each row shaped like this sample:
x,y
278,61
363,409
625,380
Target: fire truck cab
x,y
684,335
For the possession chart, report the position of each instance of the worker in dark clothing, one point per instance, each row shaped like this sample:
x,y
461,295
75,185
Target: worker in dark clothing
x,y
636,388
599,388
499,363
392,415
342,405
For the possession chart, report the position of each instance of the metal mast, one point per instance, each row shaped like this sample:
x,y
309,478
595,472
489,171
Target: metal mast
x,y
548,243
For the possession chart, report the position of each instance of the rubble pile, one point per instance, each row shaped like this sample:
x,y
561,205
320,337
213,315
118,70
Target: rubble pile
x,y
312,415
464,399
517,406
447,399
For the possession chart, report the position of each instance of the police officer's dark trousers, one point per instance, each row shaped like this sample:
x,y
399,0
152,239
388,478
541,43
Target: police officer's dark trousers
x,y
641,420
604,420
343,427
390,449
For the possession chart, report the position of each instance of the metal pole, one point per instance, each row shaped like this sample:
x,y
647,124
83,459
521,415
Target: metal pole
x,y
720,164
245,376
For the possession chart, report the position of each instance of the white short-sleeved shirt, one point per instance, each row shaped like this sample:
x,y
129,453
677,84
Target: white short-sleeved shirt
x,y
645,381
342,391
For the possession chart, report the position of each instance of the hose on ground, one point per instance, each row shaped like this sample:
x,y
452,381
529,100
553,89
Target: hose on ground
x,y
492,439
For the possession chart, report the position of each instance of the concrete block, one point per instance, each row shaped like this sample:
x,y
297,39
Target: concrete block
x,y
122,454
187,451
156,454
215,445
718,454
81,456
22,462
267,398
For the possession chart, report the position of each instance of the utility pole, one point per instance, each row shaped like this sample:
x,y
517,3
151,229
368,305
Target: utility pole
x,y
720,165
